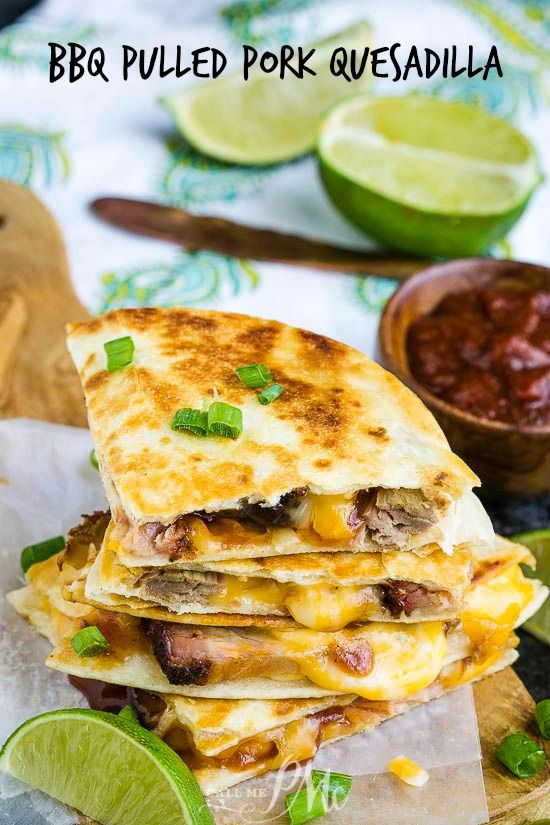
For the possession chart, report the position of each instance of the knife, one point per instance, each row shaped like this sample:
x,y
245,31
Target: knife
x,y
200,232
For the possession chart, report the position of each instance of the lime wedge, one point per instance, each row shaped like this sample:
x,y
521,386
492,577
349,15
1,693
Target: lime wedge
x,y
266,119
424,175
106,767
538,542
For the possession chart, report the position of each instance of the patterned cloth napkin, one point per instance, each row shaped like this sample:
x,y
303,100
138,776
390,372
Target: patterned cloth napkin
x,y
72,143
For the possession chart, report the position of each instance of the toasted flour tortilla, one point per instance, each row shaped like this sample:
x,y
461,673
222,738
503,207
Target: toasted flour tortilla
x,y
411,655
342,425
112,586
298,739
325,591
208,733
209,730
464,522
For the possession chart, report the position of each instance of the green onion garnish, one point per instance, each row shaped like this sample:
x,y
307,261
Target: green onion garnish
x,y
542,715
333,785
40,552
90,641
129,713
224,420
193,420
93,460
521,755
270,394
305,805
256,375
120,353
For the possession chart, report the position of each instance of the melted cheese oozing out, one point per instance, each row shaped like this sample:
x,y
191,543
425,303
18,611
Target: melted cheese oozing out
x,y
326,515
408,771
329,517
492,610
406,659
466,670
493,607
326,607
251,588
318,606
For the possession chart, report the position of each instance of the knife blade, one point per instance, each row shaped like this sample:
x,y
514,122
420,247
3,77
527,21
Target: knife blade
x,y
200,232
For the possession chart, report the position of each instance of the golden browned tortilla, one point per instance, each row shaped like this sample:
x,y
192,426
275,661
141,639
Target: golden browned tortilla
x,y
227,740
343,423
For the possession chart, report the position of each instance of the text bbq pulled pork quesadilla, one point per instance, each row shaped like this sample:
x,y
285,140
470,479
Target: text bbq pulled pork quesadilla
x,y
228,740
347,459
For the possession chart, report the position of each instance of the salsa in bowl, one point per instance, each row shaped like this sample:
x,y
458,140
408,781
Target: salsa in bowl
x,y
472,338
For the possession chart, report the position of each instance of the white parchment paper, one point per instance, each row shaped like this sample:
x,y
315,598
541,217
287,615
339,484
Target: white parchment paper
x,y
46,483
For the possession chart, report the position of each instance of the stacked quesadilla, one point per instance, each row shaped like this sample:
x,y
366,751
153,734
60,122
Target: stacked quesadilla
x,y
321,570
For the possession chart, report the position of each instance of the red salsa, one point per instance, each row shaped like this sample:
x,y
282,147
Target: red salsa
x,y
487,351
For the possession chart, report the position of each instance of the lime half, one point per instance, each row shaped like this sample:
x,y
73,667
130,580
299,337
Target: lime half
x,y
538,542
426,176
106,767
266,119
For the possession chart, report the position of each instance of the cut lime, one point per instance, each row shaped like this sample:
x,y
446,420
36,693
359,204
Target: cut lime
x,y
266,119
424,175
538,542
106,767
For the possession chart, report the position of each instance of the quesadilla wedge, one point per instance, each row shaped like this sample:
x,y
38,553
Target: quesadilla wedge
x,y
346,459
185,721
226,741
323,591
379,661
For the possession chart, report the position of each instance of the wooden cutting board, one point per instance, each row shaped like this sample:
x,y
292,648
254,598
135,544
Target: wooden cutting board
x,y
37,380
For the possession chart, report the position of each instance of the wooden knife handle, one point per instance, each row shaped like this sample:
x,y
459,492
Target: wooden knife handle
x,y
200,232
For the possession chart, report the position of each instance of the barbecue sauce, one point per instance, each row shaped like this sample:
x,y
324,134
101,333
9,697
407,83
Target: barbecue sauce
x,y
487,351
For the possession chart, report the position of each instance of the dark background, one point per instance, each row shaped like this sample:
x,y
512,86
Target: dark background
x,y
510,516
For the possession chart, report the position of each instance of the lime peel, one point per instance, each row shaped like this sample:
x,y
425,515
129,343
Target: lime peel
x,y
265,120
426,176
106,767
538,542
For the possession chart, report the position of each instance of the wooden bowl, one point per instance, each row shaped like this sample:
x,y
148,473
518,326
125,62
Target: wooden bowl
x,y
505,456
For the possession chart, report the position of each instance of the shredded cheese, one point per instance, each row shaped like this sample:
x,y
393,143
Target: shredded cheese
x,y
408,771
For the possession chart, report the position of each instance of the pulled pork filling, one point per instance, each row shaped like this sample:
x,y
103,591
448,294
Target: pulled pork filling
x,y
391,516
174,588
171,587
385,517
200,656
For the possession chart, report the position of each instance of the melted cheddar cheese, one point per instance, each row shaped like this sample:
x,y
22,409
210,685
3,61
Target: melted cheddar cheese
x,y
325,606
318,606
492,609
329,517
408,771
405,659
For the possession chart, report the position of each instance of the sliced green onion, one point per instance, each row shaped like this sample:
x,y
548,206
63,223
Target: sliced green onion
x,y
270,394
129,713
93,460
521,755
120,353
305,805
542,715
255,375
333,785
41,551
193,420
89,641
225,420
